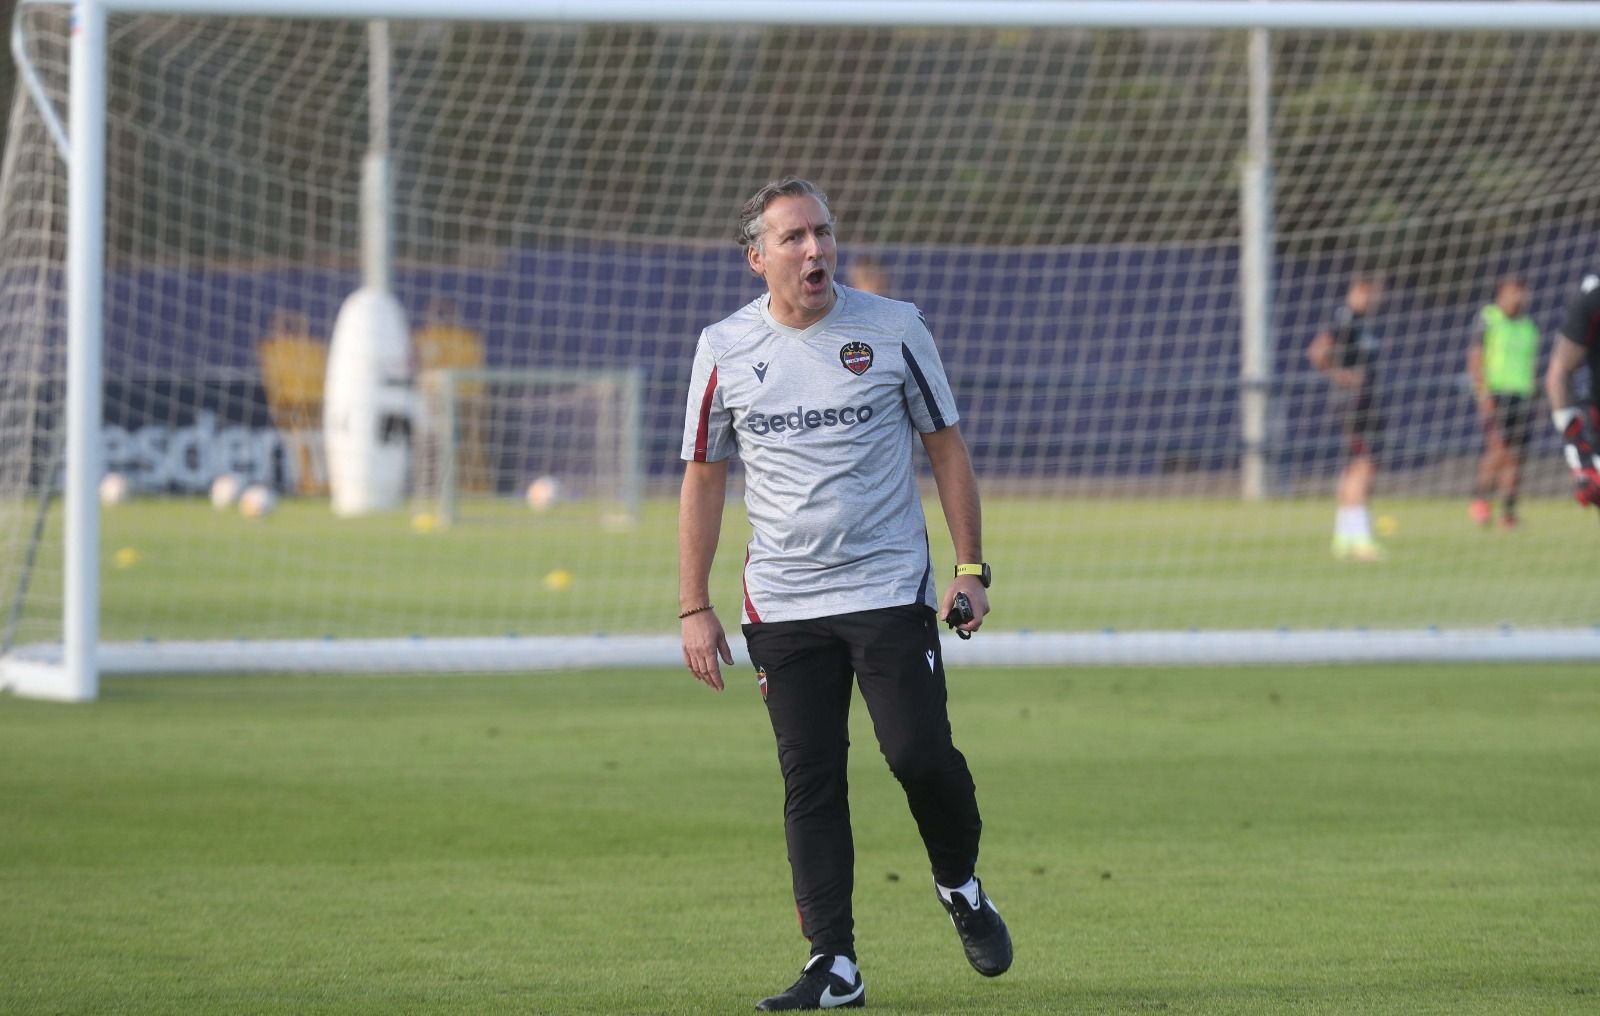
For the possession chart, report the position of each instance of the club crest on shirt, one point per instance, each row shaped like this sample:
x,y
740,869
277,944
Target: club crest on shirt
x,y
856,357
761,681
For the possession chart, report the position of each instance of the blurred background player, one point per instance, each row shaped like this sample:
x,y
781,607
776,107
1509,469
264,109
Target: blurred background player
x,y
867,274
1578,423
294,368
1345,354
1503,363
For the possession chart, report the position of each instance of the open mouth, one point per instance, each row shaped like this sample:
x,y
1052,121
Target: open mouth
x,y
815,279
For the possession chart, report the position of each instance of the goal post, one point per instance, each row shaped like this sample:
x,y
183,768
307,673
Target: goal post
x,y
1121,249
85,279
490,439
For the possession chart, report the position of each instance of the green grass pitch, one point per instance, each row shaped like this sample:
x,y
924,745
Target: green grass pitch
x,y
1079,564
1408,840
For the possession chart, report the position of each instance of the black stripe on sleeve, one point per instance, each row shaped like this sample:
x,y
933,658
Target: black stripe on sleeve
x,y
922,385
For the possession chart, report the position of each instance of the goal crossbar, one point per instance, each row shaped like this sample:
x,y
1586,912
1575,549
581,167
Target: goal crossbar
x,y
1406,15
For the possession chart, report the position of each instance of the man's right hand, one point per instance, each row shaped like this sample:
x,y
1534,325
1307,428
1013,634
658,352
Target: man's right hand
x,y
703,642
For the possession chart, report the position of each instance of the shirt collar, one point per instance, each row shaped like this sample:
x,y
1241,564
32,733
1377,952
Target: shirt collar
x,y
804,333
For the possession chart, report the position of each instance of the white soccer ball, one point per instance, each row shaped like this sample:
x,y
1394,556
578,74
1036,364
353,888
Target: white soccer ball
x,y
543,493
225,491
114,489
257,501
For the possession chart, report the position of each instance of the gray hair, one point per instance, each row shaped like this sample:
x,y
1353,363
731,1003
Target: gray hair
x,y
751,225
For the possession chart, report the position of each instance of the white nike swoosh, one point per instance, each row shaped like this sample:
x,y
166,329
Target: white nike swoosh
x,y
831,1001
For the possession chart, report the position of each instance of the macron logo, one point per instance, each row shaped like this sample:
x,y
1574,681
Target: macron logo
x,y
761,372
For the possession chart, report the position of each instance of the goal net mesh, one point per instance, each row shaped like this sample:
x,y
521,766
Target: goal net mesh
x,y
1063,205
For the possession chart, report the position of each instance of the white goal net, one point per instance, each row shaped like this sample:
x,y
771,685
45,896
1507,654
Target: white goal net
x,y
1063,204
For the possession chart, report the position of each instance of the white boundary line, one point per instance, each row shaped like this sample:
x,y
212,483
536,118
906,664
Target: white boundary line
x,y
32,670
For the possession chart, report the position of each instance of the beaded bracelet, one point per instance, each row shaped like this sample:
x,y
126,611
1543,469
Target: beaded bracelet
x,y
697,610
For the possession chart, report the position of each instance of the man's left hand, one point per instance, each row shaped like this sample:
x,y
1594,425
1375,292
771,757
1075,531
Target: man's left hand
x,y
1586,486
979,596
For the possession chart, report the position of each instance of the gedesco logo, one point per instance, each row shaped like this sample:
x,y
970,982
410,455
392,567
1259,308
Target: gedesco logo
x,y
806,419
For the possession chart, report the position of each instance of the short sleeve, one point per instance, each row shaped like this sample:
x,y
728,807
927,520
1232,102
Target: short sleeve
x,y
927,390
1581,312
1480,327
707,424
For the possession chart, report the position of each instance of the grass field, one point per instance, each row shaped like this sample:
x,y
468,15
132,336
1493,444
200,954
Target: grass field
x,y
1362,840
1070,564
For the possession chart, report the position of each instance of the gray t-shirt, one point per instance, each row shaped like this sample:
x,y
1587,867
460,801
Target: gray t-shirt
x,y
823,418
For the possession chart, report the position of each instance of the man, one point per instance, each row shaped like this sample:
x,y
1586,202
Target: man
x,y
819,388
868,275
1578,424
1503,361
294,370
1344,354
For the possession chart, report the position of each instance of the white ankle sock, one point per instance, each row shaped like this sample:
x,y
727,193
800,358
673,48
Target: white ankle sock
x,y
1353,524
1361,524
970,891
845,969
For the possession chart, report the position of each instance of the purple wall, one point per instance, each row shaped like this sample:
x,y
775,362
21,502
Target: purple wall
x,y
1083,361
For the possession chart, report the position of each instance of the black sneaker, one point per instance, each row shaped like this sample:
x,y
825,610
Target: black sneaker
x,y
818,988
983,933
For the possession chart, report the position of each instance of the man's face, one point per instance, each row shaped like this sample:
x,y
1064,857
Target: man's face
x,y
797,257
1364,296
1511,297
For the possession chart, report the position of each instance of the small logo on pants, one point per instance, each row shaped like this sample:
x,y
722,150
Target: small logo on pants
x,y
761,681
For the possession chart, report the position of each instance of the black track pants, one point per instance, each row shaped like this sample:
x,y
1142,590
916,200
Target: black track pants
x,y
806,669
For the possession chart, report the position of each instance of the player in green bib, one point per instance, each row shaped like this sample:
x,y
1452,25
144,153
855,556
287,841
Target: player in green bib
x,y
1503,362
